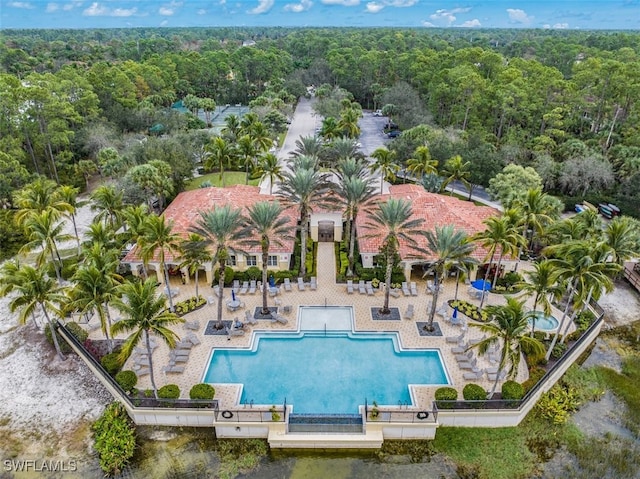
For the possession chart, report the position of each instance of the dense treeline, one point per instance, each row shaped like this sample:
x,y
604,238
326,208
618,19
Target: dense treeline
x,y
565,103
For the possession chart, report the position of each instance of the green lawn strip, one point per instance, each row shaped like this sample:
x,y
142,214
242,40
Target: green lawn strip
x,y
230,178
626,386
496,453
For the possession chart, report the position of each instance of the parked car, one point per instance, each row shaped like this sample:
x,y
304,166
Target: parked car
x,y
394,133
378,113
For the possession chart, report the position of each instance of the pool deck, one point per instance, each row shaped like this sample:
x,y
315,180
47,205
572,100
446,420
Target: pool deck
x,y
330,293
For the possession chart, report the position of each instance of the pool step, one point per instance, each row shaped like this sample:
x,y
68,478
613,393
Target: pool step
x,y
279,439
326,423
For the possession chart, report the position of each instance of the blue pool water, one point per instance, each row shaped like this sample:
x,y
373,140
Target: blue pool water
x,y
544,322
326,374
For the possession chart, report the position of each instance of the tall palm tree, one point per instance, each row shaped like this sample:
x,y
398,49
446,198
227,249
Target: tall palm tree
x,y
33,289
456,169
351,167
586,269
500,234
542,283
385,164
99,233
269,167
220,228
69,195
355,192
536,213
248,151
222,154
308,146
348,122
266,220
451,248
330,129
144,313
159,238
45,232
623,237
231,129
508,327
393,219
304,188
193,253
108,201
38,196
421,163
260,136
341,149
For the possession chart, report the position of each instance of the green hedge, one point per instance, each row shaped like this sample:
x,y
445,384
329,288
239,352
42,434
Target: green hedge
x,y
474,392
202,391
111,363
170,391
189,305
74,328
535,375
127,380
446,394
512,390
114,439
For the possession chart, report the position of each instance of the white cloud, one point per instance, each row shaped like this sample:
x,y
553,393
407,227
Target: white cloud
x,y
519,16
304,5
52,7
427,24
26,5
166,11
449,16
164,22
70,6
97,10
401,3
560,26
263,7
202,11
374,7
346,3
471,23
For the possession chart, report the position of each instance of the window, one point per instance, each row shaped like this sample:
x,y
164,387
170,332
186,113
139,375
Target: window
x,y
252,261
232,260
273,260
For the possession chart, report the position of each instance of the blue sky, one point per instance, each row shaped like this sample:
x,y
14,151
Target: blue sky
x,y
574,14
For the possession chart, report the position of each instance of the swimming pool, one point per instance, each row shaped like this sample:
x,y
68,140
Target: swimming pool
x,y
544,322
328,372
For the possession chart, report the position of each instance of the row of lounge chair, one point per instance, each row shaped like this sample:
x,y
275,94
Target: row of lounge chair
x,y
313,284
141,358
180,354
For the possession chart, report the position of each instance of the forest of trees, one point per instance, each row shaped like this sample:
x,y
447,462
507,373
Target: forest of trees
x,y
75,103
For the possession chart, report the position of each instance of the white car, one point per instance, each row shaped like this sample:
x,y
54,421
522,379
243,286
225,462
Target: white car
x,y
378,113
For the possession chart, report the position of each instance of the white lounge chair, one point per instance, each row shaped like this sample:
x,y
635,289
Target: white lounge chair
x,y
460,349
192,338
361,287
455,339
394,292
474,375
244,288
409,312
234,332
414,288
173,369
287,284
314,283
405,289
468,365
249,319
369,288
300,284
280,319
211,300
192,325
349,286
236,285
493,377
252,286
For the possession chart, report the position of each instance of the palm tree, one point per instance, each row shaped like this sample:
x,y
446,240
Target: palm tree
x,y
38,196
107,200
269,167
385,163
303,188
536,213
586,269
265,219
158,237
422,163
623,237
500,233
193,253
231,129
222,154
394,220
69,195
248,151
456,169
93,290
143,313
355,193
308,146
99,233
33,288
508,327
44,233
541,283
330,129
351,167
348,122
220,228
451,248
260,136
341,149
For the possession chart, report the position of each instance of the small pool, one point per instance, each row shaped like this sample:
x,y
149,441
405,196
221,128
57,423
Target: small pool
x,y
326,371
544,322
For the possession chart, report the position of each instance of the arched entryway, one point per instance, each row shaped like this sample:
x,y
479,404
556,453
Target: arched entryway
x,y
325,231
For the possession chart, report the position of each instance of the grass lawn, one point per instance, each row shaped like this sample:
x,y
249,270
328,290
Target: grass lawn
x,y
230,178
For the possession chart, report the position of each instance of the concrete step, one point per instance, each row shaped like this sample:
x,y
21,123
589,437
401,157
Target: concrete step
x,y
370,440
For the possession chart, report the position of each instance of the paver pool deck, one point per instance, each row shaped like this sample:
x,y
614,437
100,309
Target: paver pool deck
x,y
334,295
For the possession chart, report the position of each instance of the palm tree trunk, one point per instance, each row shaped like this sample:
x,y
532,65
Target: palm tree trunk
x,y
486,275
387,278
54,334
75,230
166,280
56,268
265,258
197,294
564,317
434,302
108,315
149,353
221,267
495,276
303,243
352,247
455,296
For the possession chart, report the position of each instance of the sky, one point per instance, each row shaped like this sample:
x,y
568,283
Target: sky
x,y
572,14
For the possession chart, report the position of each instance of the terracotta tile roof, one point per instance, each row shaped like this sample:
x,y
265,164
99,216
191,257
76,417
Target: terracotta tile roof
x,y
435,209
184,211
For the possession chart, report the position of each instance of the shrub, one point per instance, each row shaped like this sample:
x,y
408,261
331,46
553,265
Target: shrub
x,y
469,310
80,334
446,394
74,328
512,390
558,350
111,363
115,439
557,404
202,391
170,391
188,305
474,392
253,272
127,380
228,276
584,320
535,375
